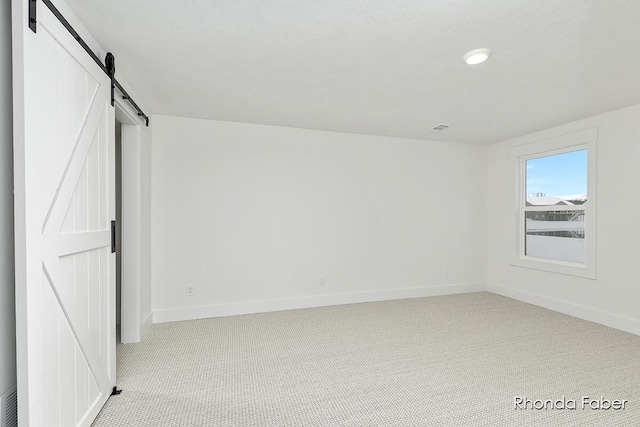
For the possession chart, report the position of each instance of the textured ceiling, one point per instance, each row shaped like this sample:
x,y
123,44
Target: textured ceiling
x,y
376,67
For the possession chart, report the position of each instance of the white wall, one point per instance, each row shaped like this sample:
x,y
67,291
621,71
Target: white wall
x,y
254,215
612,299
7,295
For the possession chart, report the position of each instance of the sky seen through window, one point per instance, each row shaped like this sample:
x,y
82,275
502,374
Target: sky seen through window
x,y
561,175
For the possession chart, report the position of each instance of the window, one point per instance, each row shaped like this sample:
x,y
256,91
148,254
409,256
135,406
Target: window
x,y
554,204
553,211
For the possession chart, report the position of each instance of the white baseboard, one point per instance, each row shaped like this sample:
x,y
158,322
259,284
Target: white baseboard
x,y
231,309
248,307
612,320
146,324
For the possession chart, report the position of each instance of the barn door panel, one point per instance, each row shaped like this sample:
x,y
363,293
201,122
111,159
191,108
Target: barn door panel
x,y
64,164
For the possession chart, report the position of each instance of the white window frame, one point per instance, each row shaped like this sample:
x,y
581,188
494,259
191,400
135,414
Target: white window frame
x,y
518,157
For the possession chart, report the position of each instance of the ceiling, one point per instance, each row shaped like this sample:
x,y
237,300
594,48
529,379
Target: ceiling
x,y
376,67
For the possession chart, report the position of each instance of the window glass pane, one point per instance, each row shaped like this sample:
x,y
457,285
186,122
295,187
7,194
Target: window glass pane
x,y
556,235
560,179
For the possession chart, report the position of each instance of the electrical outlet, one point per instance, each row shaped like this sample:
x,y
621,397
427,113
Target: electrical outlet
x,y
190,290
323,281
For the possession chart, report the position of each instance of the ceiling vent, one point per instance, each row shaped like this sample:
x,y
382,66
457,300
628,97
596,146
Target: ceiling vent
x,y
440,127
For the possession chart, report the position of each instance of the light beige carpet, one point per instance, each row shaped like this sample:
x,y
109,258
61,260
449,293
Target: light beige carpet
x,y
441,361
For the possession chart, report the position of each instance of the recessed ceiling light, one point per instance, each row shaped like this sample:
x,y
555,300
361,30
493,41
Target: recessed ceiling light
x,y
477,56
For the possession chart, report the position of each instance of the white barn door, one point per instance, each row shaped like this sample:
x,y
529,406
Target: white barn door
x,y
64,196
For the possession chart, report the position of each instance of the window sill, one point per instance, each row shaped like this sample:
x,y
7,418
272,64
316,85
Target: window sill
x,y
577,270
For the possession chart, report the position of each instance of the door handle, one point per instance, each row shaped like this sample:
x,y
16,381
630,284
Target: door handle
x,y
113,237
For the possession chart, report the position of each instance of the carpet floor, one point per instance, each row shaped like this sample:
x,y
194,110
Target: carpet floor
x,y
457,360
